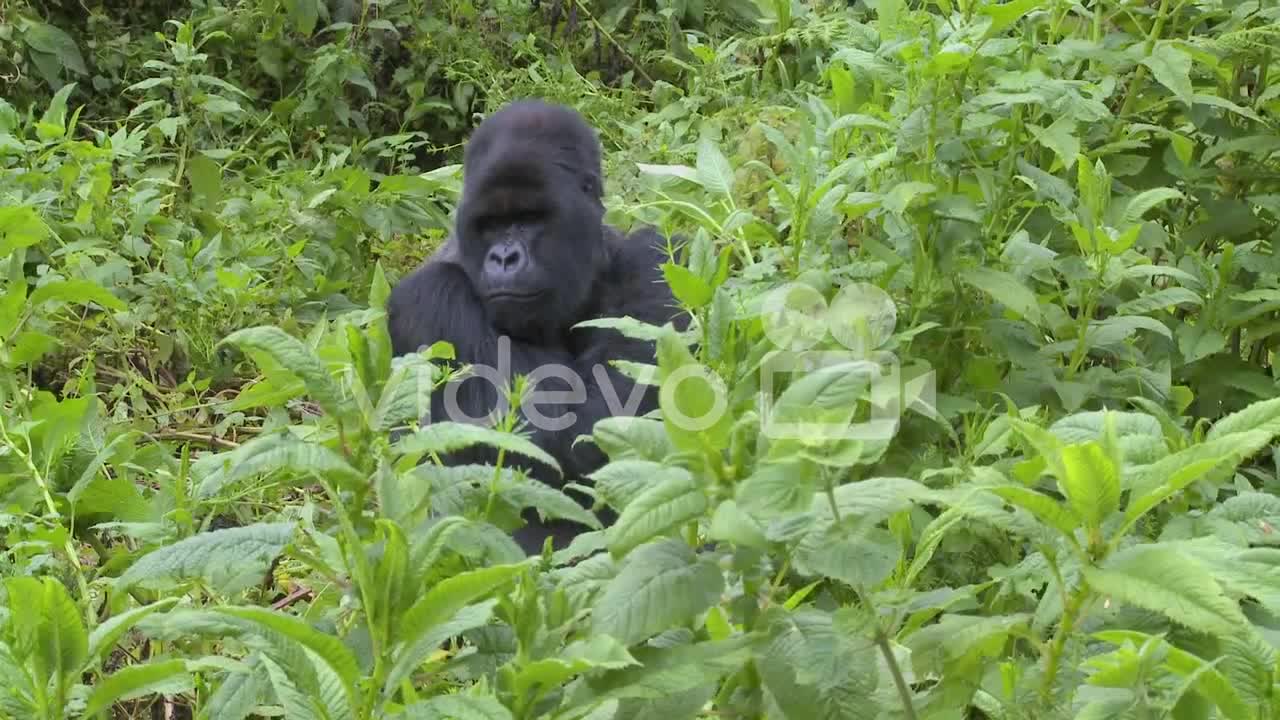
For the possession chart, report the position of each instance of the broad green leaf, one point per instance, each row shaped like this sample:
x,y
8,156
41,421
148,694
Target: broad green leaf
x,y
1209,682
960,643
229,559
1140,204
270,454
450,595
677,499
410,656
550,503
663,584
1046,509
731,524
81,292
693,399
683,172
1163,580
20,227
327,647
455,707
1262,415
296,702
775,489
714,171
1181,478
1003,17
903,195
598,651
1060,137
629,437
1160,300
1142,479
1005,289
446,437
861,557
237,695
104,637
667,671
167,677
689,289
1199,341
1091,482
52,40
289,352
1171,66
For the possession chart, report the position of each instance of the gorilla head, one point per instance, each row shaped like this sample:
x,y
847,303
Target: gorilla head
x,y
531,208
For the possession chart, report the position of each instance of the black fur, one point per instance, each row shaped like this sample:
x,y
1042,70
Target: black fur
x,y
531,221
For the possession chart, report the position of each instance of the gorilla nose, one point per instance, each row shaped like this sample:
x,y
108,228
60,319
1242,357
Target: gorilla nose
x,y
505,259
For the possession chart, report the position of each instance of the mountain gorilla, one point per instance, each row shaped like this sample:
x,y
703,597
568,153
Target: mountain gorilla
x,y
530,256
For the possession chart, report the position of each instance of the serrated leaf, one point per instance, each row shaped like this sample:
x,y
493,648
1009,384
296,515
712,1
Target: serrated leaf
x,y
1163,580
1171,66
1210,683
689,289
714,171
167,677
599,651
692,397
268,454
1181,478
80,292
663,584
456,707
677,499
289,352
1160,300
665,672
449,596
550,503
229,559
1091,482
1005,289
1262,415
20,227
411,655
683,172
446,437
1003,16
1044,508
629,437
330,649
861,558
1140,204
104,637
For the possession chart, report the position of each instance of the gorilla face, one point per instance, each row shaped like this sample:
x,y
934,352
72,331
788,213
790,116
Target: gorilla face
x,y
530,208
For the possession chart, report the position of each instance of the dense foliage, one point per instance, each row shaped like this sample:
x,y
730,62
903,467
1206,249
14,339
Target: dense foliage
x,y
1065,212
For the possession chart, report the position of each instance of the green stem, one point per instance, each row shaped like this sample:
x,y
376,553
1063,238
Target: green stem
x,y
1070,613
904,692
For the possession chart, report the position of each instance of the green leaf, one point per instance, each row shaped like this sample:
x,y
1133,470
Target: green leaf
x,y
330,649
1199,341
599,651
549,502
1160,300
693,399
663,584
1044,508
689,289
1171,66
1005,289
450,595
289,352
20,227
714,171
52,40
229,559
1209,682
665,672
676,500
862,557
81,292
410,656
1060,137
1091,482
456,707
166,677
1005,15
1140,204
1261,415
104,637
269,454
446,437
1163,580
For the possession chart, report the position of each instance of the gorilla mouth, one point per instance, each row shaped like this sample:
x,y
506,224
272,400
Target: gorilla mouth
x,y
513,296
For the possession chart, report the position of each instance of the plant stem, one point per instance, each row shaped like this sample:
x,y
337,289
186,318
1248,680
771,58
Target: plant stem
x,y
904,692
1069,615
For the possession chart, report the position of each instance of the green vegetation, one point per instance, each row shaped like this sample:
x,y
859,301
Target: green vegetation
x,y
1073,207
